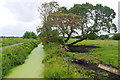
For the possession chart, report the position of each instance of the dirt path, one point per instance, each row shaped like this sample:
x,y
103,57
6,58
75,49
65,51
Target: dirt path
x,y
10,46
93,70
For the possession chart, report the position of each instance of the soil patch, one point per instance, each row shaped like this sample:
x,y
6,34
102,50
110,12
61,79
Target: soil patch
x,y
93,70
81,48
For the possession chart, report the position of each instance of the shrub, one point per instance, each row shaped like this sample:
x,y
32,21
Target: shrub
x,y
116,36
30,35
92,36
102,37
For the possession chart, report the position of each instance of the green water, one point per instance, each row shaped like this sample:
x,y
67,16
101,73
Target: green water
x,y
33,66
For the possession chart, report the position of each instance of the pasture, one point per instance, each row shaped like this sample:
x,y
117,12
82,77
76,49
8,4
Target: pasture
x,y
107,53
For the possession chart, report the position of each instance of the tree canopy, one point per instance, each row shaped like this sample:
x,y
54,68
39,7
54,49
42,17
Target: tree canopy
x,y
116,36
29,35
45,10
95,19
66,24
87,18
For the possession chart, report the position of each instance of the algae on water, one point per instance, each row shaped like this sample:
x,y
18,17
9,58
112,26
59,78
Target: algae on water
x,y
33,66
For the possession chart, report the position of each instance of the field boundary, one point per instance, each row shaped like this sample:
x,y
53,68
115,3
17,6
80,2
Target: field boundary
x,y
10,46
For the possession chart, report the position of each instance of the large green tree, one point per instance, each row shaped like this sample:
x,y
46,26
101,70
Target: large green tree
x,y
95,19
29,35
92,20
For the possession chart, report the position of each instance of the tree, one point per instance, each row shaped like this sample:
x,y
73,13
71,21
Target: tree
x,y
102,37
92,36
66,24
45,10
87,18
116,36
30,35
95,19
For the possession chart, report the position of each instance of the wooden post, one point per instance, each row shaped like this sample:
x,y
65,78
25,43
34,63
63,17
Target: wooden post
x,y
109,68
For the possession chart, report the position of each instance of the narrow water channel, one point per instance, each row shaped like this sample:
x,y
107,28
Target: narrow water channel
x,y
33,66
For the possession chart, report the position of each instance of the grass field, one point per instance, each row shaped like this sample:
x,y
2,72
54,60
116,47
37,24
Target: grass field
x,y
108,53
10,41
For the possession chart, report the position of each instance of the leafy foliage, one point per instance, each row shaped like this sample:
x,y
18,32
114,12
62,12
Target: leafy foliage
x,y
116,36
86,18
47,8
62,10
102,37
44,31
95,19
92,36
29,35
64,23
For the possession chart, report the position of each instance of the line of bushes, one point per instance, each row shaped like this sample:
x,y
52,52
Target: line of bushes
x,y
116,36
16,55
58,63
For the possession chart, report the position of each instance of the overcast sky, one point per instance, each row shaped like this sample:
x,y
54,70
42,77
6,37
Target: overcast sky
x,y
18,16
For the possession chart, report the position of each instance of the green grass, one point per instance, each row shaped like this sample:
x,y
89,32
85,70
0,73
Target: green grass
x,y
57,63
10,41
108,53
57,60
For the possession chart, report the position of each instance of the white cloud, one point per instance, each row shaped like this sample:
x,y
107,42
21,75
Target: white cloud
x,y
6,17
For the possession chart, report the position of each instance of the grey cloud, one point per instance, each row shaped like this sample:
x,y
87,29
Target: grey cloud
x,y
16,29
19,28
23,11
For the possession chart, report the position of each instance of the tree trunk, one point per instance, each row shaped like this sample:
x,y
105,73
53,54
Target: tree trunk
x,y
75,42
68,37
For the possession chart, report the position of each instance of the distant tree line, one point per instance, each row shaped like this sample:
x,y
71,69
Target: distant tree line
x,y
27,35
9,37
102,37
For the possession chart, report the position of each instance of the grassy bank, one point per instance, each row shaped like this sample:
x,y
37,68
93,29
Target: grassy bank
x,y
58,63
16,55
